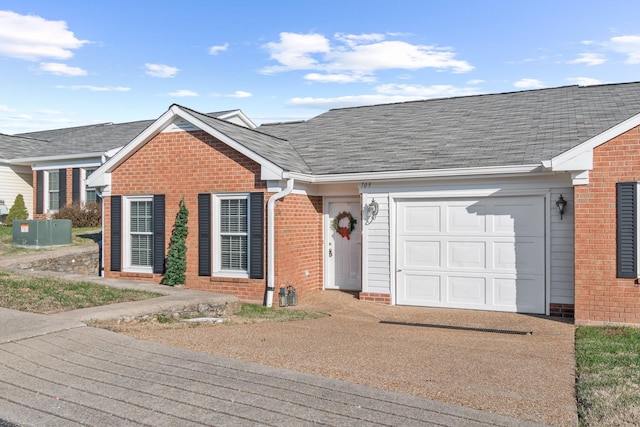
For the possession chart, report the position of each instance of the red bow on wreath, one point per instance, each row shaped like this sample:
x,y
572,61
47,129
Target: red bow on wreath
x,y
344,232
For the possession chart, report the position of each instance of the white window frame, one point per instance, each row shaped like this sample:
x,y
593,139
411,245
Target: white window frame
x,y
46,198
84,187
126,234
217,256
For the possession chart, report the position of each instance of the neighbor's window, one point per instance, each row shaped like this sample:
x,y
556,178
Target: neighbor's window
x,y
140,232
90,193
233,232
54,190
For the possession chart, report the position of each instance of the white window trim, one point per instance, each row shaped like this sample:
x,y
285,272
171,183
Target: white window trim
x,y
217,270
45,193
126,234
83,185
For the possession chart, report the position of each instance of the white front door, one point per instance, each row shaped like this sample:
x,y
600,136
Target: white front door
x,y
342,253
483,254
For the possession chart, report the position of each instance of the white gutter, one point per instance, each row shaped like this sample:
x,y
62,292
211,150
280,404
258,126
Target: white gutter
x,y
271,258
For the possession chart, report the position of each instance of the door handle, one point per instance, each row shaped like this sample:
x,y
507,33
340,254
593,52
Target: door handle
x,y
330,253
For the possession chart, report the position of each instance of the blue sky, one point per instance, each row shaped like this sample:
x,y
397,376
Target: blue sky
x,y
70,63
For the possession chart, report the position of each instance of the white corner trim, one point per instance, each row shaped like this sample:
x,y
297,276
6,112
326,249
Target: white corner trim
x,y
580,158
580,177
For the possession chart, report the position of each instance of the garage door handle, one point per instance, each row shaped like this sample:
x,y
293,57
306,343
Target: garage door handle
x,y
398,271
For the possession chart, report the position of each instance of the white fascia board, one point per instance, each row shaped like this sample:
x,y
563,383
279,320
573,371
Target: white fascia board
x,y
68,158
418,174
66,164
269,169
580,157
112,153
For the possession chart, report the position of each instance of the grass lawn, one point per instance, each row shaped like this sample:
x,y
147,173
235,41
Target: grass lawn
x,y
79,236
608,376
48,295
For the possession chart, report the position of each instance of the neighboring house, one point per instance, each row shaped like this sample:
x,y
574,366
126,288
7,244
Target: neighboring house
x,y
60,161
455,203
15,178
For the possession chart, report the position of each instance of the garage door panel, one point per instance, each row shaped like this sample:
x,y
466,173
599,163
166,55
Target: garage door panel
x,y
421,254
462,219
421,219
485,254
424,288
466,255
463,290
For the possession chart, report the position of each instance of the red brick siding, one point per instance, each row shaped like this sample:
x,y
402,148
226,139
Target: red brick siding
x,y
601,297
375,297
184,164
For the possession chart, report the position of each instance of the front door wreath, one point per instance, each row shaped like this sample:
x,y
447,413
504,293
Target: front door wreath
x,y
344,231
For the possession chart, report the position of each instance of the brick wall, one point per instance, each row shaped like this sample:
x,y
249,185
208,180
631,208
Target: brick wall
x,y
600,296
184,164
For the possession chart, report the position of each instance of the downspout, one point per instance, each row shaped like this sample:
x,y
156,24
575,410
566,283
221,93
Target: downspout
x,y
271,257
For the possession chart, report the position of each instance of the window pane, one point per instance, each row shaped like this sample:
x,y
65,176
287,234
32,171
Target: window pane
x,y
233,216
54,181
233,252
54,201
91,195
54,190
141,249
141,218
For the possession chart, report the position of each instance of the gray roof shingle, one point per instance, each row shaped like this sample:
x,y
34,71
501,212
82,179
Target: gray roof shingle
x,y
17,146
517,128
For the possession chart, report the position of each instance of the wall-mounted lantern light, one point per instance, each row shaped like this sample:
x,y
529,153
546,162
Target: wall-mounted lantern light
x,y
372,211
561,204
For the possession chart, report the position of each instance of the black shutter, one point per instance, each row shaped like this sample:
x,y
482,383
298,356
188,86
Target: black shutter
x,y
204,234
75,185
627,233
116,233
256,236
40,192
158,233
62,181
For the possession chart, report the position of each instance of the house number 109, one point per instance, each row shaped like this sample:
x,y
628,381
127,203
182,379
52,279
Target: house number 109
x,y
365,184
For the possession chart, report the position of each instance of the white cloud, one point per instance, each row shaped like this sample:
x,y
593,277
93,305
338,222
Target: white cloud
x,y
528,84
338,78
589,59
31,37
627,45
160,70
96,88
62,69
585,81
214,50
236,94
6,109
183,93
476,82
387,93
356,57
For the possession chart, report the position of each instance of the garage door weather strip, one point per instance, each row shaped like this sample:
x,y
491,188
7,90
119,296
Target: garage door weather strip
x,y
459,328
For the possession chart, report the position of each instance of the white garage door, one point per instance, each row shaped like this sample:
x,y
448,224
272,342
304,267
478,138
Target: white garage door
x,y
485,254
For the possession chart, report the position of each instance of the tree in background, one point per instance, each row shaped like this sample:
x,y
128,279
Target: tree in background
x,y
18,210
177,257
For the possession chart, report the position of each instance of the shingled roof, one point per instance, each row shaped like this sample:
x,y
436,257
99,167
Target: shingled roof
x,y
516,128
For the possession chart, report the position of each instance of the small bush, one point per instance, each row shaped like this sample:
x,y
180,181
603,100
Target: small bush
x,y
81,215
177,258
18,210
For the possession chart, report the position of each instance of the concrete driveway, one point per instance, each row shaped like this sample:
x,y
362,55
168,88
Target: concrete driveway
x,y
56,371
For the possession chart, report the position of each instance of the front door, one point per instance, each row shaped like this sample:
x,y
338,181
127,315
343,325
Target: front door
x,y
342,251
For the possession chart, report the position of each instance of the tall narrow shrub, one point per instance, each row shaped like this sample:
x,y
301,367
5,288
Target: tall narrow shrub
x,y
177,257
18,210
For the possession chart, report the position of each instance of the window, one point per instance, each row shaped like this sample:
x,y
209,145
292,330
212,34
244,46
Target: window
x,y
233,232
54,190
90,195
138,233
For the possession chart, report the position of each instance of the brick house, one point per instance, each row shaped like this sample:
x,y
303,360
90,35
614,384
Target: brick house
x,y
522,202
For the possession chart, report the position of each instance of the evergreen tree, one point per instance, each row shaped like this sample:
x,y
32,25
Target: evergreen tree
x,y
177,257
18,210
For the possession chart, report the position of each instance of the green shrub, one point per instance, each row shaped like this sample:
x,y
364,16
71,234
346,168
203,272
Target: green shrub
x,y
81,215
18,210
177,257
